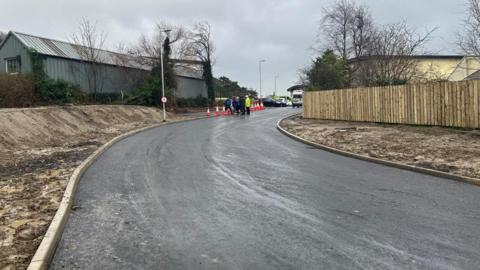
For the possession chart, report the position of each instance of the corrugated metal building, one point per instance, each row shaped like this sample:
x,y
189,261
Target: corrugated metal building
x,y
116,72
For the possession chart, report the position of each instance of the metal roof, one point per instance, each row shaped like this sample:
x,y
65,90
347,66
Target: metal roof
x,y
187,71
62,49
296,87
67,50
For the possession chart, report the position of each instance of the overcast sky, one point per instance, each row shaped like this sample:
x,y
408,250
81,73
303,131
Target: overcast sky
x,y
279,31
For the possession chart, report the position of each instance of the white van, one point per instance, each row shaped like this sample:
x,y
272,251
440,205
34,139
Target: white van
x,y
297,98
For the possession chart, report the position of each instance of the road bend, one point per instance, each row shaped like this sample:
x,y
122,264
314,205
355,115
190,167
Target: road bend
x,y
234,193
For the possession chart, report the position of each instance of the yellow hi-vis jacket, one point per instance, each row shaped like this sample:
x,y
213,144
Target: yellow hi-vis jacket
x,y
247,102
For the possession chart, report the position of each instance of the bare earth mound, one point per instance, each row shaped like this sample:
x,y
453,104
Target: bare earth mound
x,y
39,150
445,149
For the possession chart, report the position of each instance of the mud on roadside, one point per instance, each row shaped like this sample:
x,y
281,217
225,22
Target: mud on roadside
x,y
31,189
449,150
39,150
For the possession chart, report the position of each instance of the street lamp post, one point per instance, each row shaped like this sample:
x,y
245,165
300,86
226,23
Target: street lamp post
x,y
163,76
274,93
260,72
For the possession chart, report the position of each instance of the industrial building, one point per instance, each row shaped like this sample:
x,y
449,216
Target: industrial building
x,y
115,72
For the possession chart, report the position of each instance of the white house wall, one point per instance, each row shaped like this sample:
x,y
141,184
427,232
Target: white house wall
x,y
465,68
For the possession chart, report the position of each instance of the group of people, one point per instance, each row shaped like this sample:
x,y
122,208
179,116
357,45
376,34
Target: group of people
x,y
238,105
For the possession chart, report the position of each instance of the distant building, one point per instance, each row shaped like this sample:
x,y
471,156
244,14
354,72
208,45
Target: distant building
x,y
117,72
434,67
467,69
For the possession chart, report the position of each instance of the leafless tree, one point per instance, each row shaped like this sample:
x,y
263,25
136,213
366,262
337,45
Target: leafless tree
x,y
132,72
390,56
469,40
362,32
335,25
90,43
149,48
198,45
193,43
167,38
375,54
347,28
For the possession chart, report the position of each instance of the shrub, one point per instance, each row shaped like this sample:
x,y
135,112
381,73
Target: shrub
x,y
198,101
17,91
106,98
50,90
59,91
148,93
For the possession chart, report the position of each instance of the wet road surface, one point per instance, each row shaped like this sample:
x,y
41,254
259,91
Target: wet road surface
x,y
234,193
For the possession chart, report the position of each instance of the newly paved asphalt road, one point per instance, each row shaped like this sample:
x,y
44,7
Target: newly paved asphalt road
x,y
234,193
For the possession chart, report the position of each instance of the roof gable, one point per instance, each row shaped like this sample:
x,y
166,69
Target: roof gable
x,y
5,40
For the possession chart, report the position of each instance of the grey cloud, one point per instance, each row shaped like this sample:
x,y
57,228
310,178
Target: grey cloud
x,y
280,31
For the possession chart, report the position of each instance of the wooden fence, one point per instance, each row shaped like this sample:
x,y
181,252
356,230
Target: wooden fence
x,y
451,104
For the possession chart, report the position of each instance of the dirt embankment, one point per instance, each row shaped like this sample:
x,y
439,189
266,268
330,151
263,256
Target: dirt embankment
x,y
39,150
445,149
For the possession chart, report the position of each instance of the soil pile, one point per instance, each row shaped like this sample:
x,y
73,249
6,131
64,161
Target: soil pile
x,y
450,150
39,150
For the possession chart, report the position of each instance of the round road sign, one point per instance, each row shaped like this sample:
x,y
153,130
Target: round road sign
x,y
164,99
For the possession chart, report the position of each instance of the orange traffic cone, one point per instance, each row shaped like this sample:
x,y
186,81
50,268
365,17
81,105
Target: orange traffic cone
x,y
216,112
208,112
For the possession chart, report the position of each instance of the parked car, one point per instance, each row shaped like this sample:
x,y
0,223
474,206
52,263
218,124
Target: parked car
x,y
278,103
268,102
285,102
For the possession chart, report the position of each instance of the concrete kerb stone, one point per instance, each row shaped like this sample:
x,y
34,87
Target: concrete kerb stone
x,y
464,179
44,254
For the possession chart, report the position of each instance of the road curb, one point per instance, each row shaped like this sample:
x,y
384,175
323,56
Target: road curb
x,y
464,179
45,251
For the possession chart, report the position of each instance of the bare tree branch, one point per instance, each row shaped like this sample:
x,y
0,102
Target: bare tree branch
x,y
90,43
347,28
469,40
391,55
150,47
198,43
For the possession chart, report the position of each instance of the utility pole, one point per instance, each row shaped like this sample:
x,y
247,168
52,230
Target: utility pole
x,y
163,77
260,73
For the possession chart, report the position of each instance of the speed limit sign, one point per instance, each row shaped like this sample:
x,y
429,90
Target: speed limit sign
x,y
164,99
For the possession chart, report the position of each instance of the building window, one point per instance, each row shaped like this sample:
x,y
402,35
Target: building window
x,y
13,65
